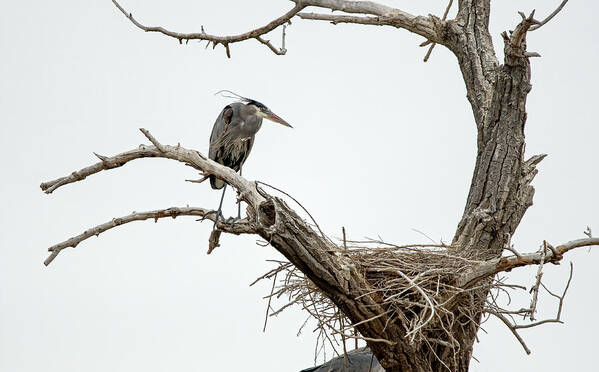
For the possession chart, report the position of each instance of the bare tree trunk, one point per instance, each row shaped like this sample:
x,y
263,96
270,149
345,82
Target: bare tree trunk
x,y
500,192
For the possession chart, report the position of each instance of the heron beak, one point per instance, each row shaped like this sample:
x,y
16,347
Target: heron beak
x,y
274,117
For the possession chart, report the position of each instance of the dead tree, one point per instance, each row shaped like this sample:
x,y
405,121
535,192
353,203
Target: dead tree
x,y
417,307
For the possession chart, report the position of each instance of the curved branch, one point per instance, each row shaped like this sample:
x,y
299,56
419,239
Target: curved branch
x,y
225,40
424,26
247,189
320,260
510,327
240,227
385,16
336,19
550,16
498,265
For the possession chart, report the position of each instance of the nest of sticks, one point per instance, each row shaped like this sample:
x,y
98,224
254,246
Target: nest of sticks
x,y
415,284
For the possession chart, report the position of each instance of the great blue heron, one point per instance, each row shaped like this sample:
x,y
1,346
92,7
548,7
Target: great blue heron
x,y
233,136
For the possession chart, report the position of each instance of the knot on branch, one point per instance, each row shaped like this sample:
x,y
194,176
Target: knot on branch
x,y
515,43
267,213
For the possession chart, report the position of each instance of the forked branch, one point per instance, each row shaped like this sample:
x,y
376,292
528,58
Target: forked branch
x,y
515,42
240,227
224,40
192,158
498,265
513,326
247,190
384,16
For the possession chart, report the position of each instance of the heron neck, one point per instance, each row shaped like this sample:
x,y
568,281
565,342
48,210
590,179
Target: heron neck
x,y
253,122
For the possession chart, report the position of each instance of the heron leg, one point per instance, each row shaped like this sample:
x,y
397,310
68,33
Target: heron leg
x,y
219,212
232,220
239,202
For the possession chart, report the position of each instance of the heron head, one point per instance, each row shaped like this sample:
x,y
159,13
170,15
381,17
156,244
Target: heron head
x,y
264,112
260,109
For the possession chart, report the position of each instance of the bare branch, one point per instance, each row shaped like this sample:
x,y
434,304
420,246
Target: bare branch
x,y
385,15
272,289
224,40
152,139
428,301
497,265
558,316
301,206
240,227
276,51
204,178
515,45
336,19
544,22
511,249
192,158
363,7
535,288
424,26
511,327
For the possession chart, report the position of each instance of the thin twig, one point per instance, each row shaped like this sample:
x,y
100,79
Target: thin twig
x,y
549,17
274,281
511,328
535,288
425,235
298,203
428,300
200,180
557,318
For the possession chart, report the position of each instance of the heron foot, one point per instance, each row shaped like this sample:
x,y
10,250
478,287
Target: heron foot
x,y
232,220
219,214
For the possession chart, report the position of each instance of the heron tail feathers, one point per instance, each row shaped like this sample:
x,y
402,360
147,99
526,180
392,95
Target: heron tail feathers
x,y
216,183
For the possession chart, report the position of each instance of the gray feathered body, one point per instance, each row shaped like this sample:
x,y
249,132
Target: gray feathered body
x,y
232,137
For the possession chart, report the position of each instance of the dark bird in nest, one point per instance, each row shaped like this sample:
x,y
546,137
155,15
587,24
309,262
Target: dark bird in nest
x,y
358,360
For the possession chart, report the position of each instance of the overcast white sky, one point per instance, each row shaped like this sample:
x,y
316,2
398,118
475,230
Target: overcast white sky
x,y
382,143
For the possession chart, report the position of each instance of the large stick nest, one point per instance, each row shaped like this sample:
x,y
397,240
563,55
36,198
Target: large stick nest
x,y
415,284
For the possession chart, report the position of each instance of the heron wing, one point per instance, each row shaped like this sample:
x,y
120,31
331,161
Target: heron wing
x,y
219,129
228,146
